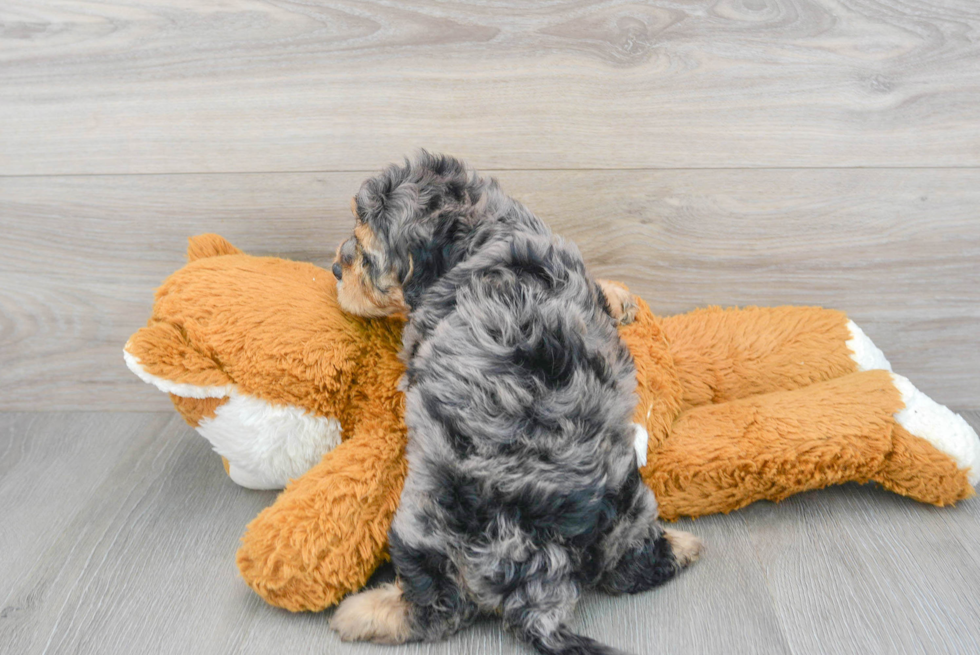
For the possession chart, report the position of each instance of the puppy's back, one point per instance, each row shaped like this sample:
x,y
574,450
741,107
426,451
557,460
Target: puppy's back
x,y
522,388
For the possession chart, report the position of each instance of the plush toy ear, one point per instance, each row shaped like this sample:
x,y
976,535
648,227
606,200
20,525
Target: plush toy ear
x,y
209,245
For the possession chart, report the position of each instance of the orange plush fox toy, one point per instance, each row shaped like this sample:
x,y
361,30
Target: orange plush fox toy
x,y
734,406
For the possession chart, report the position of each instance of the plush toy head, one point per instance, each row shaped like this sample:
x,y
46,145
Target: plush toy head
x,y
257,355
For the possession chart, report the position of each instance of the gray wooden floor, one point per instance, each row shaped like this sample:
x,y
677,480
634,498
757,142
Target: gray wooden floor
x,y
726,152
120,531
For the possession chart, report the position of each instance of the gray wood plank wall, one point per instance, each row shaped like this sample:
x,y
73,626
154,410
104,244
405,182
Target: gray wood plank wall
x,y
732,152
898,249
149,86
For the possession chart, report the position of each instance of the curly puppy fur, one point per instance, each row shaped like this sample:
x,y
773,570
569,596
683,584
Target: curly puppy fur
x,y
523,486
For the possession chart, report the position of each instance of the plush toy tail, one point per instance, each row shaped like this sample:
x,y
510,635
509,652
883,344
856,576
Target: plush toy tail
x,y
209,245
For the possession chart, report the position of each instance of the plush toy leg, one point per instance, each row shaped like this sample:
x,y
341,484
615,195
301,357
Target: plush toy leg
x,y
726,354
327,531
725,456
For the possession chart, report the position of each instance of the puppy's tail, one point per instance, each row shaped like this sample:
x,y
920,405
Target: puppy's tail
x,y
565,642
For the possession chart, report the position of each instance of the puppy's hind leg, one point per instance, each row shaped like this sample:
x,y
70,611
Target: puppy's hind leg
x,y
425,604
439,607
652,562
652,555
380,615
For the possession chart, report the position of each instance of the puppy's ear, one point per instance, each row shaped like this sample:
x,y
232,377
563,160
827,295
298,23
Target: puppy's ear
x,y
434,253
420,274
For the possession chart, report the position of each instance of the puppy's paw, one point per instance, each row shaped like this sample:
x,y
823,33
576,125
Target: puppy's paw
x,y
685,546
379,615
620,300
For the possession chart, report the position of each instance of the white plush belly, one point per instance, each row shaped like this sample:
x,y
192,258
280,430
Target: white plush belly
x,y
266,445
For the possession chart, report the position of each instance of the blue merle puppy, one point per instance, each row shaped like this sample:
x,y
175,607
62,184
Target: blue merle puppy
x,y
522,485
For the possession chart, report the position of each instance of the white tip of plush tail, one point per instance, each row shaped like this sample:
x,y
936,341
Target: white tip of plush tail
x,y
943,428
922,416
867,355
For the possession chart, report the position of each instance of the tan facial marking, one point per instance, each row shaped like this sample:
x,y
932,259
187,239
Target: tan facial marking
x,y
379,615
358,294
364,236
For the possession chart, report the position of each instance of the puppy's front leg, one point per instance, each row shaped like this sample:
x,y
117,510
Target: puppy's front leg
x,y
622,306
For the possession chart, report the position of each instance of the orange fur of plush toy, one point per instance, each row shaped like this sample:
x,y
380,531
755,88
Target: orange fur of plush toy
x,y
739,405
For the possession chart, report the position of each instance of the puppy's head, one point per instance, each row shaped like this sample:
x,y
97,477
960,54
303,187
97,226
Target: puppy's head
x,y
413,223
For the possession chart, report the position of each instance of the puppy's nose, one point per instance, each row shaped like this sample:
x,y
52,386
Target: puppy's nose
x,y
337,271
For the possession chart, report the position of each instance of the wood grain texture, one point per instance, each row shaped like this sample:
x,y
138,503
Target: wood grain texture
x,y
119,535
256,85
73,454
863,570
141,556
898,249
